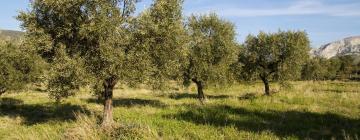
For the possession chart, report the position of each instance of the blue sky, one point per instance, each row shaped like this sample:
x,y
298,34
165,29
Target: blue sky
x,y
324,20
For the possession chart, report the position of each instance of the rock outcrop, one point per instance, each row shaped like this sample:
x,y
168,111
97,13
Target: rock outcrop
x,y
347,46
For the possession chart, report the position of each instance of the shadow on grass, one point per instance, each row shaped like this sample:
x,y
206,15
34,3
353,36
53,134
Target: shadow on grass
x,y
303,125
129,102
248,96
335,91
39,113
180,96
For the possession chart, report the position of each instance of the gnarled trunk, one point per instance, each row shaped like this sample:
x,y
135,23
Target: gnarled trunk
x,y
109,85
266,84
200,89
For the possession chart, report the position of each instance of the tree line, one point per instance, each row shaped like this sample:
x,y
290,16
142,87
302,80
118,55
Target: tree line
x,y
336,68
71,44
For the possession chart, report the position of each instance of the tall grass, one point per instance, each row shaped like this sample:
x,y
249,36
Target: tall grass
x,y
309,110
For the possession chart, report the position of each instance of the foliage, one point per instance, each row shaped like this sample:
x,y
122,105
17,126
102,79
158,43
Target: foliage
x,y
275,56
84,37
19,66
320,69
92,31
340,68
160,30
66,76
212,50
349,67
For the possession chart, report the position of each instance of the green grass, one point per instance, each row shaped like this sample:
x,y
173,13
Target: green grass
x,y
310,110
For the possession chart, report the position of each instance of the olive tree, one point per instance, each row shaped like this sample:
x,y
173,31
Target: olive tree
x,y
85,41
318,68
161,31
212,50
19,66
314,69
275,56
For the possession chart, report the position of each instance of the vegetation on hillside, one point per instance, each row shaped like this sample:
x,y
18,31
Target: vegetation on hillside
x,y
11,36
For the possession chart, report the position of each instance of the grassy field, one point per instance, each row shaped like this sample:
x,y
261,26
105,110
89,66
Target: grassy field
x,y
310,110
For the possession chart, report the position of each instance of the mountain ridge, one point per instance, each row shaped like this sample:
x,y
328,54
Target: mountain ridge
x,y
346,46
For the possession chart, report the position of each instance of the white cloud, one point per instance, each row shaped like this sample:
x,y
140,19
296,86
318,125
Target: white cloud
x,y
298,7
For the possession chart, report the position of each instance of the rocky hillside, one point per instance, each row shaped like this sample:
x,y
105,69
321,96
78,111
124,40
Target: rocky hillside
x,y
347,46
8,35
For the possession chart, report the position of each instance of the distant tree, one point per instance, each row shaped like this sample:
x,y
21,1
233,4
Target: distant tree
x,y
212,50
316,69
275,56
356,70
347,66
18,66
85,41
160,30
344,67
339,67
333,65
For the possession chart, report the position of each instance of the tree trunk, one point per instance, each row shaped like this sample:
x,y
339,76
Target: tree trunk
x,y
109,85
266,84
200,89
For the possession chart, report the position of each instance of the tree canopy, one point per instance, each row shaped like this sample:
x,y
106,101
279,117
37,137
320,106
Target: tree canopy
x,y
275,56
160,30
19,66
212,50
95,33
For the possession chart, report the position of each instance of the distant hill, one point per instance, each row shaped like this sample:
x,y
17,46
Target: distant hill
x,y
9,35
347,46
